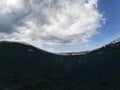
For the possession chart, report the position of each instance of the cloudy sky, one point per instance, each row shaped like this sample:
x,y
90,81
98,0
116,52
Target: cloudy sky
x,y
60,25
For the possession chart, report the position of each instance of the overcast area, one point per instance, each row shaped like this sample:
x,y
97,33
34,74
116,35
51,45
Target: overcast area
x,y
49,22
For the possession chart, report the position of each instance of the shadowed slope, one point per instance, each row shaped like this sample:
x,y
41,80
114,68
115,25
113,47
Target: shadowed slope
x,y
38,69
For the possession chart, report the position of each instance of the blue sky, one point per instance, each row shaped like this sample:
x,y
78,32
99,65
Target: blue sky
x,y
60,25
107,33
111,11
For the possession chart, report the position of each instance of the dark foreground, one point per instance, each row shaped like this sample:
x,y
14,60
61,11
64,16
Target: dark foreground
x,y
23,67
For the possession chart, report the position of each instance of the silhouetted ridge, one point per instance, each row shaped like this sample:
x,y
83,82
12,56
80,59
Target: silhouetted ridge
x,y
17,46
24,57
24,67
113,47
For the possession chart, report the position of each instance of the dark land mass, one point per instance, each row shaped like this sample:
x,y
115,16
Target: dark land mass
x,y
24,67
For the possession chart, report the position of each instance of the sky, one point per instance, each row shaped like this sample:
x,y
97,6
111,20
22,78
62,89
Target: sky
x,y
60,25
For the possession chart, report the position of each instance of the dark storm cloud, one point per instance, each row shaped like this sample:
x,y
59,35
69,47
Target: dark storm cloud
x,y
11,16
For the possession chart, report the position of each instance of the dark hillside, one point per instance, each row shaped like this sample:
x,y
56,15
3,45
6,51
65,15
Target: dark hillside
x,y
24,67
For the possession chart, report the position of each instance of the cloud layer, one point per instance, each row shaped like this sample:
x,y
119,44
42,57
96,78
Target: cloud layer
x,y
49,21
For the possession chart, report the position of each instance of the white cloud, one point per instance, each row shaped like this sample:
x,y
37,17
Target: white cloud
x,y
49,21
